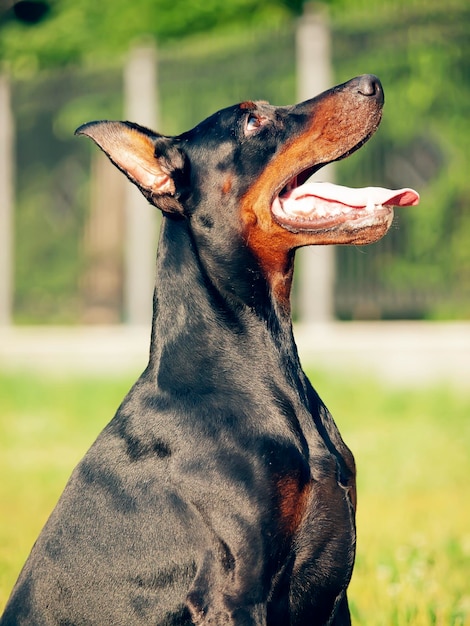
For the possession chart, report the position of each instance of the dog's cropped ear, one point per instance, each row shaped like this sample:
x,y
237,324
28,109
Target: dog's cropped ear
x,y
149,160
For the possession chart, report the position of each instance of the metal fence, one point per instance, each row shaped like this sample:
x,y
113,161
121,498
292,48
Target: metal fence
x,y
411,273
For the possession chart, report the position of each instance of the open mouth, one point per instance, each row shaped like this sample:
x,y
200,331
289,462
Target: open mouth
x,y
316,206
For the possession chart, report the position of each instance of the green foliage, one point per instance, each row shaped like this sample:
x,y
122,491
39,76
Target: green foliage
x,y
411,448
86,31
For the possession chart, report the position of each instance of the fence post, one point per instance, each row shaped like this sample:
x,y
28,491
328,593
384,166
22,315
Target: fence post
x,y
102,278
316,264
6,201
140,88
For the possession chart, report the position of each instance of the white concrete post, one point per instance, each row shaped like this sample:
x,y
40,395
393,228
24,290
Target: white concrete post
x,y
141,106
316,264
6,202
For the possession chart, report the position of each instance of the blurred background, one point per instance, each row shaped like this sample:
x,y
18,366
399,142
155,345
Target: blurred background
x,y
70,61
383,330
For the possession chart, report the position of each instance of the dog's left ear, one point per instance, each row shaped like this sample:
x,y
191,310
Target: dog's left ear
x,y
150,161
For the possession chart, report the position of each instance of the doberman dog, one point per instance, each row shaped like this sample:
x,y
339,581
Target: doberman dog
x,y
221,492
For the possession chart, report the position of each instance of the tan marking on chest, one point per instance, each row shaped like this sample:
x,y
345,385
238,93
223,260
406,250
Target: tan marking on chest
x,y
293,500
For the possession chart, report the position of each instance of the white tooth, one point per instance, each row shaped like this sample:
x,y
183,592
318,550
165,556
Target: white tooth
x,y
370,204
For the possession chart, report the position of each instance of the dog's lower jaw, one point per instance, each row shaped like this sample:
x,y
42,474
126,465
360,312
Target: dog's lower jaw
x,y
362,230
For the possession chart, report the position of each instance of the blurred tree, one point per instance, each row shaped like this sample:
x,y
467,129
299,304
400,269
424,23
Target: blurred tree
x,y
84,31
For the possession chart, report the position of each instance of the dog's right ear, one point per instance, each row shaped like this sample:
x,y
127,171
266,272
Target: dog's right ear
x,y
150,161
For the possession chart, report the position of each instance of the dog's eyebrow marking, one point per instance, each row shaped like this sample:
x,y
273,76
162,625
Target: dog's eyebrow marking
x,y
247,105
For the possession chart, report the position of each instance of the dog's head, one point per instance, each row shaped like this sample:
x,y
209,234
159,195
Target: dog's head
x,y
244,170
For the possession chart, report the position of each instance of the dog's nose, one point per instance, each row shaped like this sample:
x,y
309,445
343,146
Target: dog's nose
x,y
369,85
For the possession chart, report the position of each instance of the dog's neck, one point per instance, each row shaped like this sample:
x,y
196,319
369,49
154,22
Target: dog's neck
x,y
196,292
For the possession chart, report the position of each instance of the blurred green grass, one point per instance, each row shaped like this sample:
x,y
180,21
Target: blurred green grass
x,y
412,448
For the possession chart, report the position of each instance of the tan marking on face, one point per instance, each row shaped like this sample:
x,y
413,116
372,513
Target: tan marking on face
x,y
339,122
227,185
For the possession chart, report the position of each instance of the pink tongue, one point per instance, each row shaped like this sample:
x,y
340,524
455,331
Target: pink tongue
x,y
356,198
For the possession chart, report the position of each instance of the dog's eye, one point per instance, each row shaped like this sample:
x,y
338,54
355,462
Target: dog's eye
x,y
253,122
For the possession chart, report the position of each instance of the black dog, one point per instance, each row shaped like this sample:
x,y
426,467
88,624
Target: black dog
x,y
221,493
